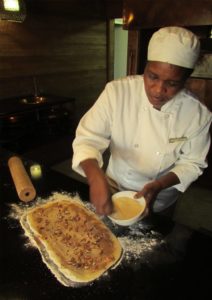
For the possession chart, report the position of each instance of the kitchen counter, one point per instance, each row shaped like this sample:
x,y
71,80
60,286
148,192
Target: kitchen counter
x,y
23,275
29,122
28,103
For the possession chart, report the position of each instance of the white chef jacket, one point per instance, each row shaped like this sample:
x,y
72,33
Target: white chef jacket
x,y
145,143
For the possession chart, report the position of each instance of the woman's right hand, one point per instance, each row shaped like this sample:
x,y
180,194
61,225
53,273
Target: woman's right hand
x,y
100,195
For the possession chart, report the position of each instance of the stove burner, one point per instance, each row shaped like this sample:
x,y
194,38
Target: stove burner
x,y
34,100
28,121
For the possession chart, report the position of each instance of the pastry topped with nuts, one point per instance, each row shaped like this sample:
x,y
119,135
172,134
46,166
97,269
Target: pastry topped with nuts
x,y
75,244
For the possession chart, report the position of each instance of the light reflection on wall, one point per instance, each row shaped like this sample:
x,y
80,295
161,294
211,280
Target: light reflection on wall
x,y
128,18
11,5
12,10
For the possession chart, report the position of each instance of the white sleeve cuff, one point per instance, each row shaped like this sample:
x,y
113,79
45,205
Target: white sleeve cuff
x,y
83,154
185,176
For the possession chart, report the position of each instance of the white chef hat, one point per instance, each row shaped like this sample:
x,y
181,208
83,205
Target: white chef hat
x,y
174,45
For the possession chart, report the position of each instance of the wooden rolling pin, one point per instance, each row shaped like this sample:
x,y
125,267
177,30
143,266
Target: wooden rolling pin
x,y
24,187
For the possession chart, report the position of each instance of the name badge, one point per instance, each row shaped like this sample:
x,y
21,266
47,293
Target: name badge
x,y
180,139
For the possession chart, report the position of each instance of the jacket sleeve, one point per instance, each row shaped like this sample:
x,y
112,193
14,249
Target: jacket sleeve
x,y
192,160
93,132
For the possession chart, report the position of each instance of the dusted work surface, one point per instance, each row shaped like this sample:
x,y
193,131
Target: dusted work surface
x,y
23,275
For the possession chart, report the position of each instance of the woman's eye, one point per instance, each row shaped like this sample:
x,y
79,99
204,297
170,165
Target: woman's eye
x,y
173,83
152,76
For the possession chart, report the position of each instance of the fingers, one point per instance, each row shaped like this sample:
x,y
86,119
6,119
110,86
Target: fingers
x,y
143,193
146,212
107,209
146,193
149,192
147,196
139,195
103,208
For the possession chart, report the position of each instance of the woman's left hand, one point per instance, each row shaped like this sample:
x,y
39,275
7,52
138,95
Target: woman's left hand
x,y
149,192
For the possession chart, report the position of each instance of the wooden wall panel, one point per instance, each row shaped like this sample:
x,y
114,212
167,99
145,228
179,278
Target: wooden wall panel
x,y
202,88
100,9
149,13
67,57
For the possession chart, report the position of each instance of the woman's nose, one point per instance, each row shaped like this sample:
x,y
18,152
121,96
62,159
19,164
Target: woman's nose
x,y
160,88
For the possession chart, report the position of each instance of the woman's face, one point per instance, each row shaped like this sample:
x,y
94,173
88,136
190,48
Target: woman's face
x,y
162,82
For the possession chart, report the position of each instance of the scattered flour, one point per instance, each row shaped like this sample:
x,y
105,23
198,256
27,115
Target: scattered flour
x,y
138,240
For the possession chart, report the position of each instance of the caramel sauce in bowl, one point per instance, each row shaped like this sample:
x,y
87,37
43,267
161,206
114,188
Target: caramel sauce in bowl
x,y
126,209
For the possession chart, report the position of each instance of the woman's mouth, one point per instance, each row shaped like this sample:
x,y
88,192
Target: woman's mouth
x,y
157,100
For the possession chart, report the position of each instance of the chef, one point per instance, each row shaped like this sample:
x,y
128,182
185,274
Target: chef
x,y
156,130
